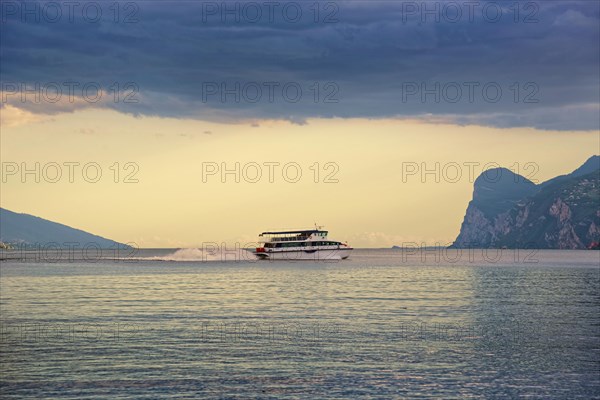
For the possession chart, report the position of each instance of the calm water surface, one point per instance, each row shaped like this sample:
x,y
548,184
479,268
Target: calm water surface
x,y
382,324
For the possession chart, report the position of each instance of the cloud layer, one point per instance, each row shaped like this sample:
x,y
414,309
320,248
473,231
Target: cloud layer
x,y
466,62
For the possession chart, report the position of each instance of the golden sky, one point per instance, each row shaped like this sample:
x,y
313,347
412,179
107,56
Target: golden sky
x,y
370,205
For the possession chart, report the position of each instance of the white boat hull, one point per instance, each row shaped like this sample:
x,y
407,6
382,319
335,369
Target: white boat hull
x,y
312,255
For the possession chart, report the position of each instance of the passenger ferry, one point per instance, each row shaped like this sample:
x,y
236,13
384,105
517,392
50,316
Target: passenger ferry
x,y
300,245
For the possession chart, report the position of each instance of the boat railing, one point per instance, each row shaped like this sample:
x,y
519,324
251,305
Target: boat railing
x,y
287,239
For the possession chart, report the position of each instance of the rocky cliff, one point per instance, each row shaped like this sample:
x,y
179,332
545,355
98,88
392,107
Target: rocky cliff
x,y
509,211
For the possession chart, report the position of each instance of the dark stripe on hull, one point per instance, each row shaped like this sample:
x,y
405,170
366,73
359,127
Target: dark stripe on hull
x,y
308,254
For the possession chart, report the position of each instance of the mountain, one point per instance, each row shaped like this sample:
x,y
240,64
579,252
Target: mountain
x,y
497,190
591,165
510,211
25,229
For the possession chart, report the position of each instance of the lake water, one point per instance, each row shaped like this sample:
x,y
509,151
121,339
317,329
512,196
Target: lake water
x,y
382,324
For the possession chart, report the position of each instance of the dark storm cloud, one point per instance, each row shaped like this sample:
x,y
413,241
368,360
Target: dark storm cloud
x,y
536,65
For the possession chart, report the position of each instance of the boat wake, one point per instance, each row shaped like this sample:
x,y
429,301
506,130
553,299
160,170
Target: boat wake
x,y
196,254
222,255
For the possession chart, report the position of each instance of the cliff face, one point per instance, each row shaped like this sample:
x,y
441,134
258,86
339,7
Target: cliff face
x,y
563,213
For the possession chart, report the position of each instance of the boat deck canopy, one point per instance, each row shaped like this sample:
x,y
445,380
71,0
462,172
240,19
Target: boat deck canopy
x,y
305,232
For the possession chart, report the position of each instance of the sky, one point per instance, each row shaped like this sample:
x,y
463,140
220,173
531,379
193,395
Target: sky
x,y
359,98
